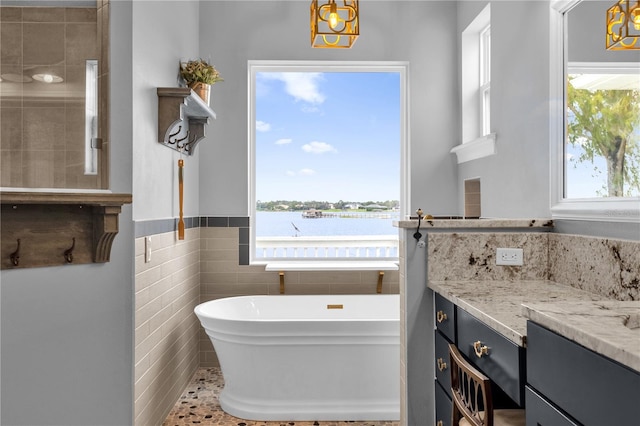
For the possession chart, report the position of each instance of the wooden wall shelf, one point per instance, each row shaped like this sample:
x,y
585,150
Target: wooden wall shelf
x,y
182,117
58,228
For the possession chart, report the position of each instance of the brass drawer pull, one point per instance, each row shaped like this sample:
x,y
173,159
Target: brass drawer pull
x,y
441,365
441,316
480,349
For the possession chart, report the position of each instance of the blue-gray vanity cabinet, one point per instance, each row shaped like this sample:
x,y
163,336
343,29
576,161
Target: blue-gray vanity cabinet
x,y
443,372
495,355
443,407
584,385
542,413
445,315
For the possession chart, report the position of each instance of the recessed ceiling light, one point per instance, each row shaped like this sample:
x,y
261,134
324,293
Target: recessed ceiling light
x,y
48,78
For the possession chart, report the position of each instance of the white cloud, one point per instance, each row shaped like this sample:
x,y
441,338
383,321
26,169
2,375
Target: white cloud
x,y
309,109
316,147
301,172
303,86
262,126
284,141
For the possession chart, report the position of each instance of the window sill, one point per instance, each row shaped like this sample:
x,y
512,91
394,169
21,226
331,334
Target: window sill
x,y
336,265
605,209
475,149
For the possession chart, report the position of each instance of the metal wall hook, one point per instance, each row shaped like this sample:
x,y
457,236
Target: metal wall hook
x,y
176,133
68,253
176,141
15,256
417,234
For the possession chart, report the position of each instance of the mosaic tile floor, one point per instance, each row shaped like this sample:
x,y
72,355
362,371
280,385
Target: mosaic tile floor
x,y
199,405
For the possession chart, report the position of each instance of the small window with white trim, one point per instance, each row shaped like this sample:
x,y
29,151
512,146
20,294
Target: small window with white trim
x,y
485,80
477,139
476,77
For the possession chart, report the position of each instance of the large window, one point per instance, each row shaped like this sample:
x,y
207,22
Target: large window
x,y
593,127
327,160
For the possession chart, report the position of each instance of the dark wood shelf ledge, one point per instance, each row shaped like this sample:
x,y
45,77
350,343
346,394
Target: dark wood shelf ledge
x,y
58,228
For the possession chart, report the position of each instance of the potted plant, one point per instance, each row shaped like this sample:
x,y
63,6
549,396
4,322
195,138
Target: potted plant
x,y
199,76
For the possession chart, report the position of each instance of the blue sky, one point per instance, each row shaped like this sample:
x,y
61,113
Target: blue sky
x,y
328,136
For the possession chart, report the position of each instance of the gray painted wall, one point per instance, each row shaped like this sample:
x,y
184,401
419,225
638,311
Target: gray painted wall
x,y
514,181
67,332
587,45
232,33
164,33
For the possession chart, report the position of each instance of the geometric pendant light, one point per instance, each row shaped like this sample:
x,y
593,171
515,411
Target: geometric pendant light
x,y
623,25
334,23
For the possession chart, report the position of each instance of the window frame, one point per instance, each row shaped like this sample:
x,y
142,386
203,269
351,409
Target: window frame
x,y
477,139
609,209
484,95
256,66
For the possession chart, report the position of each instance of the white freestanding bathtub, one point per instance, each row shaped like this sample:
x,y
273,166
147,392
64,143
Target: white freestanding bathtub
x,y
307,357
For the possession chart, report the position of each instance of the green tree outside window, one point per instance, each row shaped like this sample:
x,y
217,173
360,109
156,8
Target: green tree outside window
x,y
606,123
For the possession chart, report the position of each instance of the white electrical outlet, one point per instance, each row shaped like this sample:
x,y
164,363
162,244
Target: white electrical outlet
x,y
509,256
147,250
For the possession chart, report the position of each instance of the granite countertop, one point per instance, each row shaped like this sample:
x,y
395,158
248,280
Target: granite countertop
x,y
445,222
608,327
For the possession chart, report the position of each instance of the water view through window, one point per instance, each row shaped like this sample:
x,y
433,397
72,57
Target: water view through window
x,y
327,163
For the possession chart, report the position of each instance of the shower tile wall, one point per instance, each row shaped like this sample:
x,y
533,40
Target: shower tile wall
x,y
169,342
42,138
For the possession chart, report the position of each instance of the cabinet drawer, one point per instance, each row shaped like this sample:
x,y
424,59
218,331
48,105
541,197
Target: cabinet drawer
x,y
503,362
541,413
443,407
445,317
589,387
443,372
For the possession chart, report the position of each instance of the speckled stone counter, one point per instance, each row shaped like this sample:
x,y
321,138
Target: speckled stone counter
x,y
590,319
499,303
540,223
